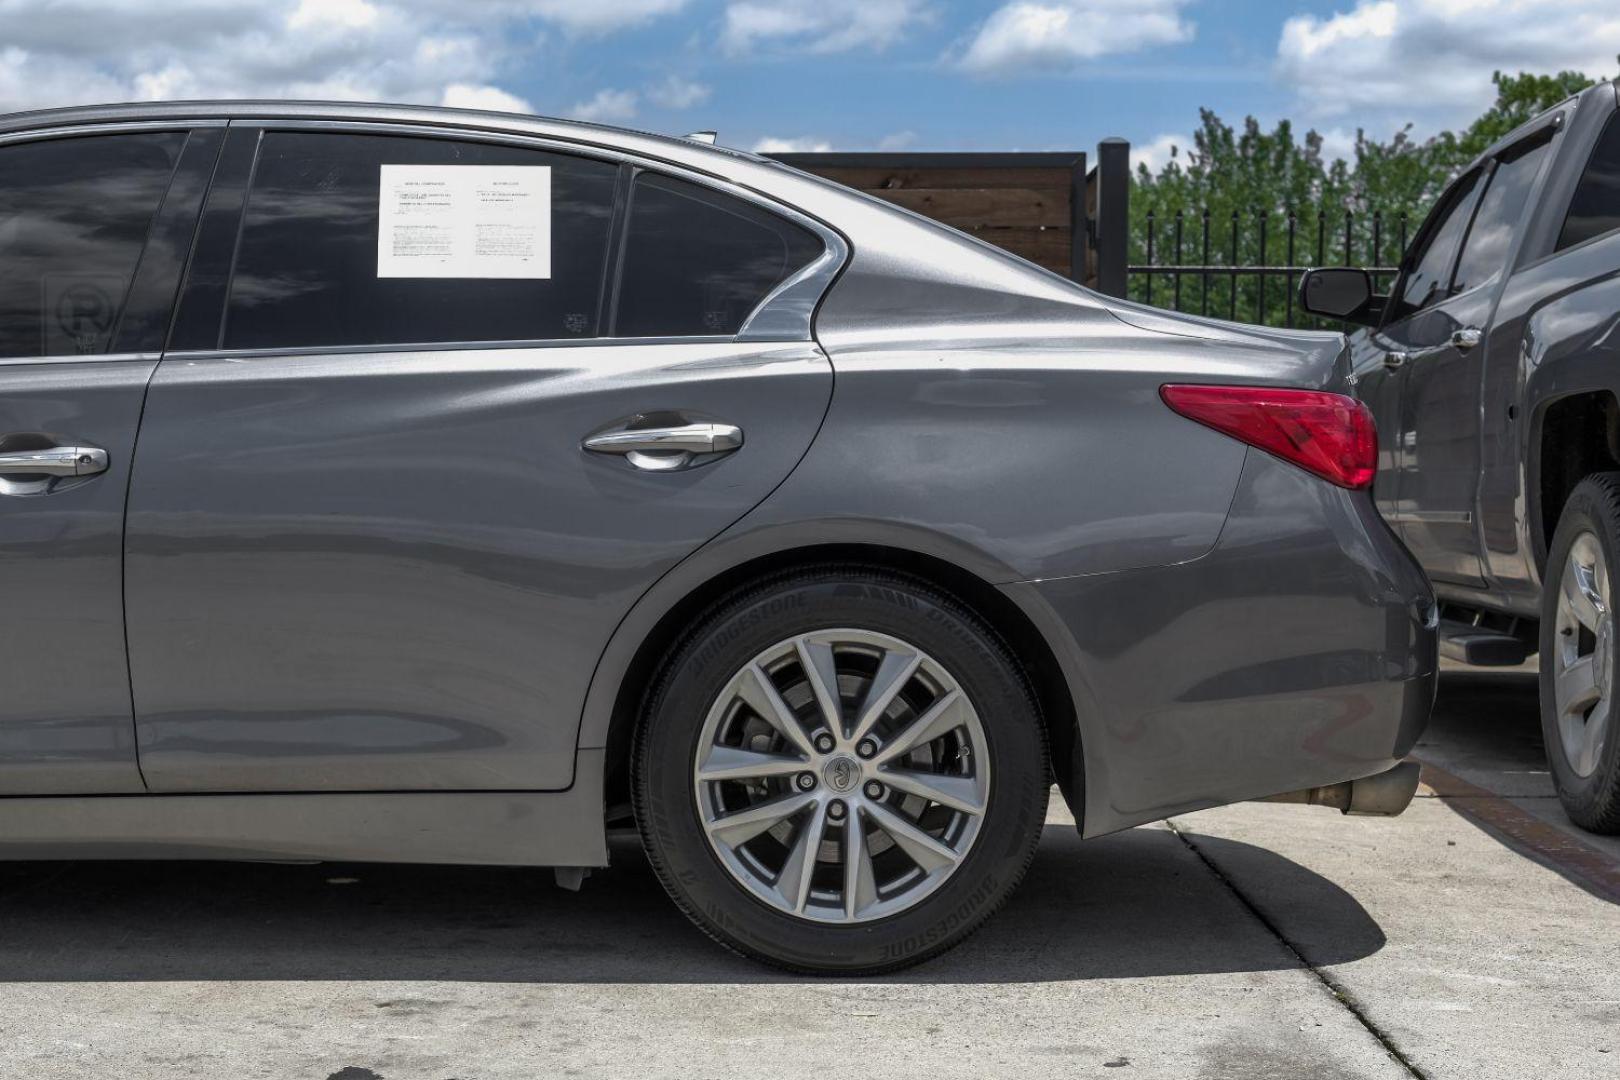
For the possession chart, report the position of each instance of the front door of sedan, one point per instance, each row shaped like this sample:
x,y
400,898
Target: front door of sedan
x,y
94,227
385,519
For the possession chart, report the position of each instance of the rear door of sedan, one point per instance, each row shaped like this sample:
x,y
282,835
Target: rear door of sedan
x,y
95,222
437,409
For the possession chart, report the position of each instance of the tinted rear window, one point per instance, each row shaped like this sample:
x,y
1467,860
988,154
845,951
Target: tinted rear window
x,y
1595,209
308,271
74,215
697,261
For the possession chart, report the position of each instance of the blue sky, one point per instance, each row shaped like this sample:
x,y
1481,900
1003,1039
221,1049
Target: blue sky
x,y
834,74
911,92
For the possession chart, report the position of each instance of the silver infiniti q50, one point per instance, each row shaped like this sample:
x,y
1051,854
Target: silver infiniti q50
x,y
409,484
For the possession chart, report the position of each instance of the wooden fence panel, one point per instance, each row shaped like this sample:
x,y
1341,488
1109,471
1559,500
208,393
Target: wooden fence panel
x,y
1032,204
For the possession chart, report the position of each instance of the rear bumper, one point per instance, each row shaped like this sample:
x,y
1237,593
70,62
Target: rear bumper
x,y
1299,652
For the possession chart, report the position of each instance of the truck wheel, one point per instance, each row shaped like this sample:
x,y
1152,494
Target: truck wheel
x,y
841,771
1580,655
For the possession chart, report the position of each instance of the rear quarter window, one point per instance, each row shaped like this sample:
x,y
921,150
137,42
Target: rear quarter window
x,y
697,262
1595,209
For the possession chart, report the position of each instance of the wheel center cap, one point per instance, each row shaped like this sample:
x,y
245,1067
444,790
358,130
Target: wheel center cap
x,y
1601,654
841,774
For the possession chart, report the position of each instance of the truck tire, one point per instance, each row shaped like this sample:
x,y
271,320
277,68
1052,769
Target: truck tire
x,y
1580,655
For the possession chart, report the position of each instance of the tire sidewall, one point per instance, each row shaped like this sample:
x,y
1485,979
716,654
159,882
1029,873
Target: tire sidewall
x,y
737,633
1588,510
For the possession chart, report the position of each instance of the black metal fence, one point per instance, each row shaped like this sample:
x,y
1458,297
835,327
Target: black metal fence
x,y
1234,275
1241,264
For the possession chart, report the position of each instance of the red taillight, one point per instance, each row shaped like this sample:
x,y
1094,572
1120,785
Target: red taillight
x,y
1330,435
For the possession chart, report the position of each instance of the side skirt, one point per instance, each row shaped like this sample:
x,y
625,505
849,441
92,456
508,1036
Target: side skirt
x,y
553,828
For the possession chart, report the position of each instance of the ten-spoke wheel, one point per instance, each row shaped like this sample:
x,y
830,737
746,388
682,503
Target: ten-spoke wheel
x,y
841,771
841,775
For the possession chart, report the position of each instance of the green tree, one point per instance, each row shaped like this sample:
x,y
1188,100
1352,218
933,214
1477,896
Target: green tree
x,y
1253,189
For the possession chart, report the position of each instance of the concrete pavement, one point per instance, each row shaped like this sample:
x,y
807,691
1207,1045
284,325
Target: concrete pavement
x,y
1248,942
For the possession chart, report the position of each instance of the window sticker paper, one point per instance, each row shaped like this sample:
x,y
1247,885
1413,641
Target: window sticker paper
x,y
464,221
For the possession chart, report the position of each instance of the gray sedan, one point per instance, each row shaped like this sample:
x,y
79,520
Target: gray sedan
x,y
406,484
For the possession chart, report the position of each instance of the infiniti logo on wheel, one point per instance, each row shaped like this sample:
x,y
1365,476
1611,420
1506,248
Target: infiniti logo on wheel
x,y
842,774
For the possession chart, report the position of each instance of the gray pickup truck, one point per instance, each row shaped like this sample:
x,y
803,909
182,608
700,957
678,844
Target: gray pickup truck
x,y
1493,369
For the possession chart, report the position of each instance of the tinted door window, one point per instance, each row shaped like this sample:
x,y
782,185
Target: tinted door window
x,y
74,214
307,270
698,262
1428,273
1485,252
1595,209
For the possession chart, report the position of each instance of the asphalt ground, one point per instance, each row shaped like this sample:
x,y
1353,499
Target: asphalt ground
x,y
1477,935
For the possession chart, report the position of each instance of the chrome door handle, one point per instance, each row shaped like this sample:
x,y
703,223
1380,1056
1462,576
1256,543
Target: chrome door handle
x,y
662,449
691,438
54,461
1468,337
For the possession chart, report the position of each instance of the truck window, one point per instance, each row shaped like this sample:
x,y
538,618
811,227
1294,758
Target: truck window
x,y
1485,252
1595,209
1428,270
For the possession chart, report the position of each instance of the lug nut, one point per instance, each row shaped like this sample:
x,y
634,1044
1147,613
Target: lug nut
x,y
806,781
867,748
874,790
835,809
824,743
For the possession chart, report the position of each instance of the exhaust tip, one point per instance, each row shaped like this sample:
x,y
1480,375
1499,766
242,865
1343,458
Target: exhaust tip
x,y
1383,794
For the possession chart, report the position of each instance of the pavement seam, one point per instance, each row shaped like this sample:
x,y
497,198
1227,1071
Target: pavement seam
x,y
1339,991
1521,831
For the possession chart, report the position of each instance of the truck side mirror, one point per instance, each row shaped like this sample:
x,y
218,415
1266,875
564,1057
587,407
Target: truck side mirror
x,y
1340,292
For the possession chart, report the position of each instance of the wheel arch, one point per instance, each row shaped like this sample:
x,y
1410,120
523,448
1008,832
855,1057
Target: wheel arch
x,y
1575,435
614,703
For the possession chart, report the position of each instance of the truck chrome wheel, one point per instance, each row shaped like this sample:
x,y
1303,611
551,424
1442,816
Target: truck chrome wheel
x,y
1583,660
841,776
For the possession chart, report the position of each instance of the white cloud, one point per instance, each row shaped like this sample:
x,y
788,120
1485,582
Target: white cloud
x,y
678,93
600,16
1059,35
1157,153
1430,61
898,140
1338,144
332,14
817,26
488,98
805,144
66,52
607,107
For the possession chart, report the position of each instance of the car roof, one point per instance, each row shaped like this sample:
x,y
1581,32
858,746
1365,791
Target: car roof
x,y
895,244
685,151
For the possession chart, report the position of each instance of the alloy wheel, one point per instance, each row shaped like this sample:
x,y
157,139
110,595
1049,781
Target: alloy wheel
x,y
1583,660
841,776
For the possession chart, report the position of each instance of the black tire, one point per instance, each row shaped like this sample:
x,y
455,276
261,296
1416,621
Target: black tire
x,y
1593,801
729,637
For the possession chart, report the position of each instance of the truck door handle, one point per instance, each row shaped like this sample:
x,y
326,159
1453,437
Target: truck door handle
x,y
54,461
662,449
1464,339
